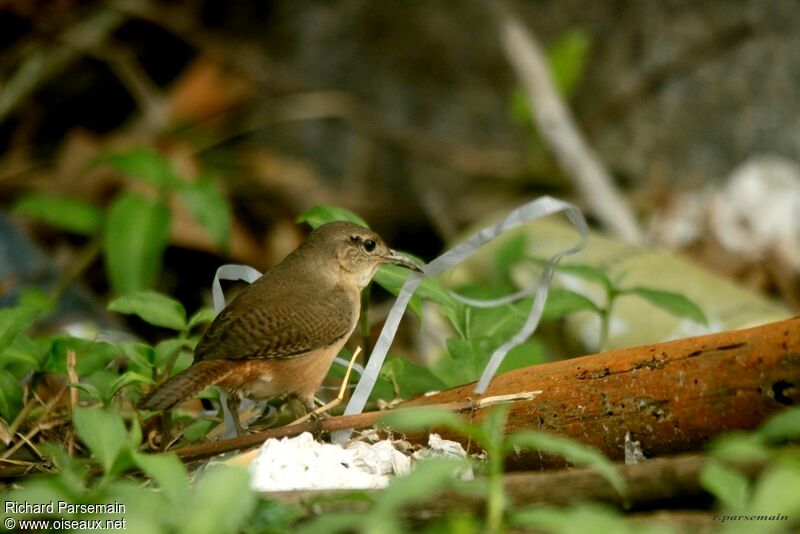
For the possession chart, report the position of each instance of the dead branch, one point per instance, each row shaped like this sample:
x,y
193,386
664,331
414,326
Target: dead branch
x,y
559,132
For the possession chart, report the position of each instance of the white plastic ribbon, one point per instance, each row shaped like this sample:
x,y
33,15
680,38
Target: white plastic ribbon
x,y
529,212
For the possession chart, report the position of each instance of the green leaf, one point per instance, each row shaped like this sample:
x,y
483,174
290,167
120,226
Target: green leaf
x,y
24,353
563,302
128,379
427,479
419,418
587,272
103,432
728,486
573,451
319,215
168,472
739,447
776,491
567,59
136,236
10,396
144,164
14,321
584,518
222,502
781,426
155,308
411,378
209,206
508,254
674,303
72,215
201,316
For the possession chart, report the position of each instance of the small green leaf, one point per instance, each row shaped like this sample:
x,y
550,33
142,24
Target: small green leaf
x,y
222,501
210,208
128,379
728,486
10,396
144,164
319,215
563,302
781,426
739,447
201,316
419,418
14,321
134,242
103,432
573,451
170,474
587,272
508,254
72,215
567,59
674,303
155,308
411,378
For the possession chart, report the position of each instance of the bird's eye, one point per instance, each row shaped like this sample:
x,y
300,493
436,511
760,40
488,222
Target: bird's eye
x,y
369,245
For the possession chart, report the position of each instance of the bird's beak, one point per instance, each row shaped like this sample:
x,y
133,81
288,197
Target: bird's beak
x,y
398,259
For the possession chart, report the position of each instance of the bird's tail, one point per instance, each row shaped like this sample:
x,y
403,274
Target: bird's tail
x,y
186,384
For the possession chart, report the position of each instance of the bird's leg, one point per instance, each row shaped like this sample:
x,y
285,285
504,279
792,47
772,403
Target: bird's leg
x,y
230,413
317,412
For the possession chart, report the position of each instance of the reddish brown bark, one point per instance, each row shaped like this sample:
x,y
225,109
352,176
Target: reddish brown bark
x,y
672,396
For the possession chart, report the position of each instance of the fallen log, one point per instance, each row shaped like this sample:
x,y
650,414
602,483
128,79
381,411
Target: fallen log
x,y
672,397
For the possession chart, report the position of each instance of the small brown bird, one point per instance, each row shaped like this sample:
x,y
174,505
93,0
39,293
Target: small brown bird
x,y
279,336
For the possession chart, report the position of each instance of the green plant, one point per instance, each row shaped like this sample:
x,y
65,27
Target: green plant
x,y
133,231
490,436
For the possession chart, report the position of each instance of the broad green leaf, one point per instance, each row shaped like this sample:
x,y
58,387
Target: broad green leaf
x,y
426,480
573,451
28,354
776,491
168,472
739,447
168,348
782,426
102,431
10,396
135,238
583,518
201,316
209,206
141,357
563,302
89,389
567,59
319,215
144,164
155,308
14,321
674,303
222,502
72,215
727,485
412,379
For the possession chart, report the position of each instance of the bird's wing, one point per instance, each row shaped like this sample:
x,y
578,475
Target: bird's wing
x,y
288,328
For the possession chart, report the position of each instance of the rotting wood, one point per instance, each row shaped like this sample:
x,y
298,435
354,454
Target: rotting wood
x,y
671,396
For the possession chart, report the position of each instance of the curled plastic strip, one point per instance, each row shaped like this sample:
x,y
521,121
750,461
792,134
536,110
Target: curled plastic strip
x,y
233,272
529,212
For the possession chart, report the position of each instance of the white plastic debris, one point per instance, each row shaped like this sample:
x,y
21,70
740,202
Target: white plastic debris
x,y
756,213
302,463
633,450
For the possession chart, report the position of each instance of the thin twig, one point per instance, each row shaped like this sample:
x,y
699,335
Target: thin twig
x,y
560,133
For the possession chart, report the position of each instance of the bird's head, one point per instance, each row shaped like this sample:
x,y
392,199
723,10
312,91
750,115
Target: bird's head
x,y
357,251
